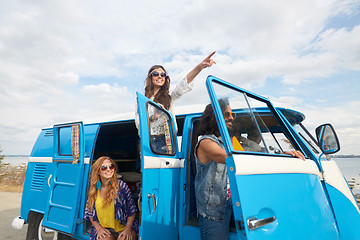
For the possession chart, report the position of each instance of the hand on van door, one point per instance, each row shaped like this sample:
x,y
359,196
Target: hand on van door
x,y
296,153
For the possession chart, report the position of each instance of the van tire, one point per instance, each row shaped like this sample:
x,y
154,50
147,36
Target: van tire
x,y
34,221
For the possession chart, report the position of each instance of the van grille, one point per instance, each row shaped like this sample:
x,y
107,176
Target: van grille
x,y
38,178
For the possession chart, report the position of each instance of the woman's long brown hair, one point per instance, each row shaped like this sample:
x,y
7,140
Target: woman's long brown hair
x,y
163,97
94,178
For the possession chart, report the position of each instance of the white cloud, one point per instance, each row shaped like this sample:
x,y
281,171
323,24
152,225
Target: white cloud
x,y
107,99
286,101
105,90
48,47
343,45
346,7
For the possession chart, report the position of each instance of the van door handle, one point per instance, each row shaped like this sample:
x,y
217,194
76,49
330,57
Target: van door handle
x,y
49,180
154,201
254,223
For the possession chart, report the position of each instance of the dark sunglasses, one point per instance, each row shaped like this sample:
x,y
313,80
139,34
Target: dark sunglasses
x,y
156,74
105,167
227,114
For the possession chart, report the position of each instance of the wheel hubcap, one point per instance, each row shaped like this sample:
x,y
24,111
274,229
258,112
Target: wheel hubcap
x,y
46,233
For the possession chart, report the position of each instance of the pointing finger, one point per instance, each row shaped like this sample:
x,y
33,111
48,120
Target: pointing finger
x,y
208,57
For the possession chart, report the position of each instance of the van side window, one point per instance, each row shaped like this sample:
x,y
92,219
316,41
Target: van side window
x,y
161,131
65,141
261,131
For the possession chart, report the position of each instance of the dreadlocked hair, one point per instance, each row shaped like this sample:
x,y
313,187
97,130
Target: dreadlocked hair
x,y
207,123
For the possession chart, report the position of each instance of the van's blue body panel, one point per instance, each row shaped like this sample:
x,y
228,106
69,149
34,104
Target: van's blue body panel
x,y
37,190
295,194
315,216
347,216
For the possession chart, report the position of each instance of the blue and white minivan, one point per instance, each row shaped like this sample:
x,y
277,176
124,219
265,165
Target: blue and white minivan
x,y
274,195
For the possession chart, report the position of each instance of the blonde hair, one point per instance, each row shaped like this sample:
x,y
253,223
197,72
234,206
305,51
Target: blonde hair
x,y
94,178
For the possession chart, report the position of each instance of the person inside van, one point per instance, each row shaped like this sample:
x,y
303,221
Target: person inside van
x,y
110,207
252,141
157,85
214,207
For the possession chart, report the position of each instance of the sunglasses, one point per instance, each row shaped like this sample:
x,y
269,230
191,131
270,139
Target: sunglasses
x,y
105,167
228,114
156,74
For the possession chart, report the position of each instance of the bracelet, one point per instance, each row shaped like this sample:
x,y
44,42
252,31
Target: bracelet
x,y
127,226
97,229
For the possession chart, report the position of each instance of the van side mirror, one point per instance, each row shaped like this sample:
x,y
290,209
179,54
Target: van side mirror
x,y
327,139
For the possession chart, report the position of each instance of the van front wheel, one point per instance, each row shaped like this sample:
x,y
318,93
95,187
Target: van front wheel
x,y
38,232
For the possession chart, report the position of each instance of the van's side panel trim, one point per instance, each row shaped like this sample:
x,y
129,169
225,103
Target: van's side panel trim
x,y
162,162
260,164
335,178
41,159
251,164
50,159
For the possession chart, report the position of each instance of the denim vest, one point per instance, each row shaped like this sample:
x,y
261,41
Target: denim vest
x,y
210,185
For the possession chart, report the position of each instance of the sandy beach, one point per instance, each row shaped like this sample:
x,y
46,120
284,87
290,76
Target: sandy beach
x,y
9,200
9,209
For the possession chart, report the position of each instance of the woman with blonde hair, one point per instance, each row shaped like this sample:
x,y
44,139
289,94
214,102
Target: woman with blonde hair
x,y
110,207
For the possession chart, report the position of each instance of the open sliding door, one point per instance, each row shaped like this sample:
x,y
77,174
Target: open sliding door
x,y
66,181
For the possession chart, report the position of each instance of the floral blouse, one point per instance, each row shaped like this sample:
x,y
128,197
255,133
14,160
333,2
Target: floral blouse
x,y
157,126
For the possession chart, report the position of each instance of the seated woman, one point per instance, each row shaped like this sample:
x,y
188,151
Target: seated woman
x,y
110,207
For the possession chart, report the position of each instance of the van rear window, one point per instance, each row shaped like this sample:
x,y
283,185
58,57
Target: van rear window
x,y
65,141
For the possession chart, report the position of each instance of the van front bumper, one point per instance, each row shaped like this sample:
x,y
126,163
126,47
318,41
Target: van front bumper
x,y
18,223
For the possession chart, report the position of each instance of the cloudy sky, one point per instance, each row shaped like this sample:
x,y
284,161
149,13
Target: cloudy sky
x,y
73,60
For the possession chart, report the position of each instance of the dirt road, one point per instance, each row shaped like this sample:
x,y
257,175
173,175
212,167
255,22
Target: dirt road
x,y
9,209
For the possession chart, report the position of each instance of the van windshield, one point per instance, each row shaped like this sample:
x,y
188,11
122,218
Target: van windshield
x,y
308,139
